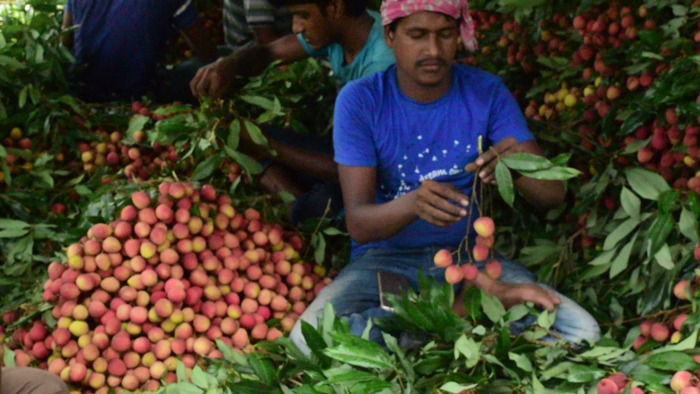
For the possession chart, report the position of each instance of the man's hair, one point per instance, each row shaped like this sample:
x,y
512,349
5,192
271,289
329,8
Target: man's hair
x,y
353,8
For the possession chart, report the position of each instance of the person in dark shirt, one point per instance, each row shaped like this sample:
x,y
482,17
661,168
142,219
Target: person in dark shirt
x,y
118,44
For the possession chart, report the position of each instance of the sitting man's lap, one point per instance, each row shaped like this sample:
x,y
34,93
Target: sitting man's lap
x,y
22,380
354,294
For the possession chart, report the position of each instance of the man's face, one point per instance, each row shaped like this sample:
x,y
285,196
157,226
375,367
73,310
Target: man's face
x,y
316,28
424,45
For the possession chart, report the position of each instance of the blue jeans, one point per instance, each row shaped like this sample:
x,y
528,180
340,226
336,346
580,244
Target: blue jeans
x,y
354,294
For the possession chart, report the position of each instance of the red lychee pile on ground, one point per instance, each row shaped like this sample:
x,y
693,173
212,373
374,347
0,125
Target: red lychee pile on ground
x,y
485,228
162,283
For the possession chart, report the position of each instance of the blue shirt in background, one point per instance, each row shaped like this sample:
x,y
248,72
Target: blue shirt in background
x,y
375,56
119,43
408,142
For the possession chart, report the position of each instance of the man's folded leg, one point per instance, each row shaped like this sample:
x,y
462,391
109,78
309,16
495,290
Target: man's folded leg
x,y
23,380
573,322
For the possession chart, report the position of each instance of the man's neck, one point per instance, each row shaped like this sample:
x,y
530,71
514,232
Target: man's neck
x,y
422,93
354,34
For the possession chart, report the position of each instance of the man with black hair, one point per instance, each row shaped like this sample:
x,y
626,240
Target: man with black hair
x,y
352,38
410,143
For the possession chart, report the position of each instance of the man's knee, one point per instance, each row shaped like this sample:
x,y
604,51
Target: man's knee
x,y
31,381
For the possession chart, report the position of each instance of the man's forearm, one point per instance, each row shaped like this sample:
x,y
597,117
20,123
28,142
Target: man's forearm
x,y
317,165
376,222
544,195
249,62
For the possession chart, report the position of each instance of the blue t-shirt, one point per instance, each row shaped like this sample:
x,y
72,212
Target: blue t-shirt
x,y
119,43
375,56
408,142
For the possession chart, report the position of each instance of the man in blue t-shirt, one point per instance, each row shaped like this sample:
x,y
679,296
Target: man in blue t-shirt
x,y
352,39
119,44
407,144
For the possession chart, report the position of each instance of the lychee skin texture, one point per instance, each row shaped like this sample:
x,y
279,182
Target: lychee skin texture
x,y
484,226
443,258
607,386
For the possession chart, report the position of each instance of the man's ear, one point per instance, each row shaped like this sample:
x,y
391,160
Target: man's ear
x,y
389,36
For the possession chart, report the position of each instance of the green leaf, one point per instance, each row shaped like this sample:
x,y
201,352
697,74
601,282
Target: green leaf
x,y
263,368
663,257
686,344
452,387
579,373
493,308
206,168
646,183
261,102
199,377
10,62
504,180
8,358
13,224
181,372
526,162
137,122
234,135
671,361
470,349
358,352
521,361
3,152
659,231
255,133
689,226
636,146
620,232
2,41
622,260
472,302
631,203
250,166
320,248
553,174
23,97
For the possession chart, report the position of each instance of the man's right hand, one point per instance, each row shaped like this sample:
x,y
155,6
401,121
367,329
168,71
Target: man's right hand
x,y
515,293
213,79
433,203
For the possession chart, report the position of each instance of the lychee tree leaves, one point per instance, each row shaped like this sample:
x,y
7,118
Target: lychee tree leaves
x,y
622,231
622,260
526,162
8,358
646,183
630,203
688,224
504,180
493,308
580,373
663,257
358,352
206,168
671,361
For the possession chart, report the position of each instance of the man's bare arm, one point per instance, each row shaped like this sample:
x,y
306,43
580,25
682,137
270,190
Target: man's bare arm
x,y
215,79
67,38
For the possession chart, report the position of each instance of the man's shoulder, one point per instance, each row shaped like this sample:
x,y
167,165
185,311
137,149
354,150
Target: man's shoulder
x,y
371,85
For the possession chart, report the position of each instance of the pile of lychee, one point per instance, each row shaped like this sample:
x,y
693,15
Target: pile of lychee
x,y
161,283
484,228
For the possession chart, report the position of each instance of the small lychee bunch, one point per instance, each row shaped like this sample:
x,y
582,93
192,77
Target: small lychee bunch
x,y
484,227
659,332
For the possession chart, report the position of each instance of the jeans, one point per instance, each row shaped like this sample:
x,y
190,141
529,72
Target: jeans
x,y
354,294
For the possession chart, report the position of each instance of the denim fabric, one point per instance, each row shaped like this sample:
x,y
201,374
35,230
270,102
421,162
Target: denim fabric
x,y
354,294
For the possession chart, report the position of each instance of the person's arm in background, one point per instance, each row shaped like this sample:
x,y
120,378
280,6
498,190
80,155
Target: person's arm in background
x,y
67,38
186,20
215,79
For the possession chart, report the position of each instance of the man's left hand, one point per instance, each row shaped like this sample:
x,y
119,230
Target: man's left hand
x,y
486,163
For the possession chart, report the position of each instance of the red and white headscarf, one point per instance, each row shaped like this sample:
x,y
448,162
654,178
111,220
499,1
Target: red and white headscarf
x,y
458,9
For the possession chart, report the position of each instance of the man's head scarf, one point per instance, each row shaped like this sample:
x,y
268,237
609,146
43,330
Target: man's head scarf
x,y
458,9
